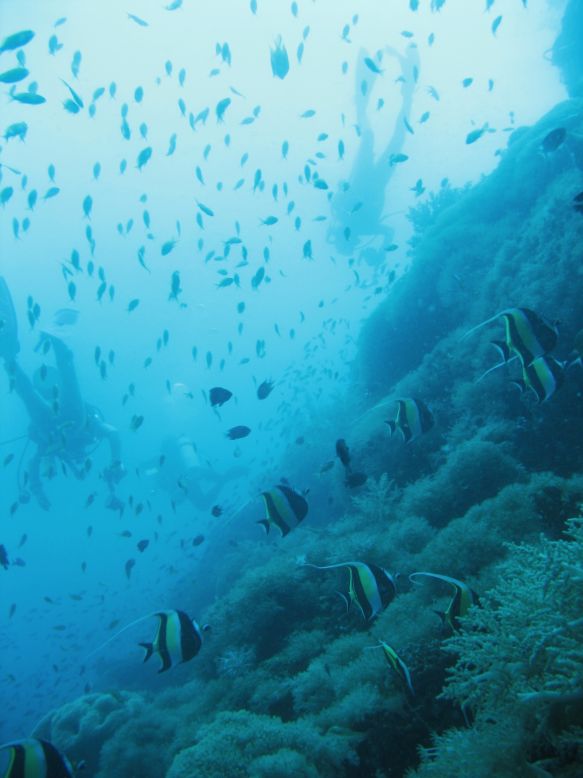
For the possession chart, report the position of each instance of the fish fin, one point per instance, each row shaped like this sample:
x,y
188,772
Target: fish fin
x,y
495,367
502,347
346,600
392,426
265,524
148,648
520,384
120,632
441,615
482,324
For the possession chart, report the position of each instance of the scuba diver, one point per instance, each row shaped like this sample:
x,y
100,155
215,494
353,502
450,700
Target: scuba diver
x,y
180,472
358,205
62,425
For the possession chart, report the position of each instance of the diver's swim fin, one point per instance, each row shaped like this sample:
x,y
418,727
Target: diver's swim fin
x,y
9,346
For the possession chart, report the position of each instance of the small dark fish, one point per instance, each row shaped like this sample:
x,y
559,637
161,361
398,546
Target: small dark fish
x,y
553,140
16,40
216,511
13,76
4,557
143,545
372,66
495,24
219,396
578,202
475,135
240,431
196,541
137,20
129,565
264,389
279,60
136,422
342,452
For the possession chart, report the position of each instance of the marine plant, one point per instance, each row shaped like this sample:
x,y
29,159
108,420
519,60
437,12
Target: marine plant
x,y
519,670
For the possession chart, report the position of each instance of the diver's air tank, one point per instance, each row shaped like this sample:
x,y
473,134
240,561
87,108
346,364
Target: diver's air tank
x,y
187,455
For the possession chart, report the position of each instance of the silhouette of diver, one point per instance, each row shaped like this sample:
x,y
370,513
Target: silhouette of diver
x,y
180,472
358,205
62,425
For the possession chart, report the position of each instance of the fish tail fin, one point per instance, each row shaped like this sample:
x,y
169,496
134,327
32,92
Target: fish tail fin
x,y
502,347
392,427
265,524
479,326
148,648
519,384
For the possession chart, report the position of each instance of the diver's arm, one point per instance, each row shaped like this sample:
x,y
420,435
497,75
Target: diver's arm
x,y
109,431
116,471
35,482
72,405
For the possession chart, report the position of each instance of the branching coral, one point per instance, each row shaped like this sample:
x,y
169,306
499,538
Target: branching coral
x,y
241,744
520,665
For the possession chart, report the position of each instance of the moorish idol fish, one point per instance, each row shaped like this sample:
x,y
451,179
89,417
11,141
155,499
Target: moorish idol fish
x,y
178,638
370,588
544,376
32,758
462,600
412,420
284,508
527,335
397,664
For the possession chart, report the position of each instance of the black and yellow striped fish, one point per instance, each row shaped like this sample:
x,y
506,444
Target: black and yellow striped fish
x,y
461,602
370,588
397,665
412,420
527,334
32,758
543,376
284,508
178,639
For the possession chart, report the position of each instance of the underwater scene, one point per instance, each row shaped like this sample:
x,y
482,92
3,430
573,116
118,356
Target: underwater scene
x,y
291,388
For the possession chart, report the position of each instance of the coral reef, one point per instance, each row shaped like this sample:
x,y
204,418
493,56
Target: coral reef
x,y
287,682
519,670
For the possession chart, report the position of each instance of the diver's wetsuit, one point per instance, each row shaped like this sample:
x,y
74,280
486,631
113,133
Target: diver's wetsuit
x,y
184,476
67,428
61,426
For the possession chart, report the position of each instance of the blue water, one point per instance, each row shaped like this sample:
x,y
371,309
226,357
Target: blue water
x,y
225,214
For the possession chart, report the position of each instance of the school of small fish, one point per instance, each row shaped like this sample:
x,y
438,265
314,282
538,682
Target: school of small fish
x,y
84,273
